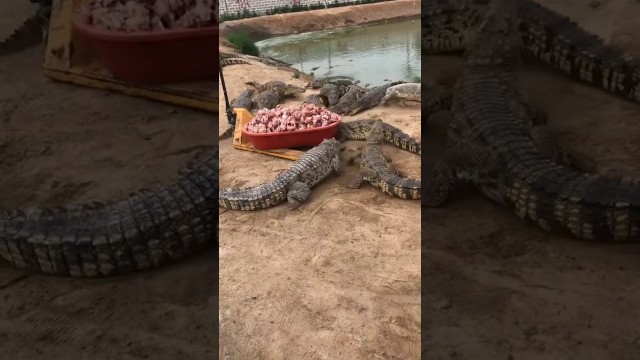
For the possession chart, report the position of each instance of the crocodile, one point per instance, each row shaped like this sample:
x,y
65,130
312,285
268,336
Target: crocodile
x,y
264,60
336,80
490,146
332,92
233,61
375,169
225,55
147,229
292,185
371,98
284,90
547,37
406,92
354,92
31,32
317,100
244,100
267,99
360,129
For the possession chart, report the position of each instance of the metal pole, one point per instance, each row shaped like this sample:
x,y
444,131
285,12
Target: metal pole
x,y
231,116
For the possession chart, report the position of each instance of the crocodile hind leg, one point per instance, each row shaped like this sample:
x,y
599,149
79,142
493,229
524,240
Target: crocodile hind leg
x,y
461,162
298,194
438,183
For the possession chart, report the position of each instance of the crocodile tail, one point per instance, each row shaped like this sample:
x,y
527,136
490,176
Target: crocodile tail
x,y
587,206
145,230
252,198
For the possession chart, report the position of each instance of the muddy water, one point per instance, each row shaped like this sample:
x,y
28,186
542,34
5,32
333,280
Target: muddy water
x,y
372,54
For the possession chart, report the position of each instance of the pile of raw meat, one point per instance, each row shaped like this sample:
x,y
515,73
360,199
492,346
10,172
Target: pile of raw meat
x,y
149,15
281,119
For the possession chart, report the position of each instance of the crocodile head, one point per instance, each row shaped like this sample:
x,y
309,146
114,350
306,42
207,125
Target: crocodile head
x,y
496,42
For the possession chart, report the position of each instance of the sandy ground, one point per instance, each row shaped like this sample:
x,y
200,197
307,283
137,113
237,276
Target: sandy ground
x,y
337,279
61,143
499,288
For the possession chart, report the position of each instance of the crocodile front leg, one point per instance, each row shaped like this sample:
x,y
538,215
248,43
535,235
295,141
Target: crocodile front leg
x,y
337,165
298,193
358,180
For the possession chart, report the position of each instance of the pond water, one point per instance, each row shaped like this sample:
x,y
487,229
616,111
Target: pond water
x,y
373,54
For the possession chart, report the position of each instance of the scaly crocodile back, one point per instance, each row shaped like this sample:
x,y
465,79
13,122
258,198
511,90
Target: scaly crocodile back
x,y
489,112
547,37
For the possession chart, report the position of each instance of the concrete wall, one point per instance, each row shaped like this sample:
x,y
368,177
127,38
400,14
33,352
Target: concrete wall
x,y
260,6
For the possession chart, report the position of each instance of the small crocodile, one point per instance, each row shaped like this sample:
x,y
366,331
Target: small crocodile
x,y
371,98
547,37
147,229
353,93
233,61
244,100
332,92
360,129
375,169
336,80
316,100
292,185
284,90
267,99
492,147
406,92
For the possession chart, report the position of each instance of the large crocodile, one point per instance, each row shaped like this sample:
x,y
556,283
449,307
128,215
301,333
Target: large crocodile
x,y
292,185
546,36
267,99
371,98
360,129
283,89
332,93
405,92
244,100
492,147
375,169
317,100
145,230
353,94
336,80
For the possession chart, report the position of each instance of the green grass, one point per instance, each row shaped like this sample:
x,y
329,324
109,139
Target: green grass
x,y
243,43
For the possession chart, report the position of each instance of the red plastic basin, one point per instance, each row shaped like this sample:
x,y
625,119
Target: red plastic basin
x,y
154,57
291,139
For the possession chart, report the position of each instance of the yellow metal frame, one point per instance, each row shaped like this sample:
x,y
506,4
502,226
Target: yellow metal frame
x,y
243,116
69,59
